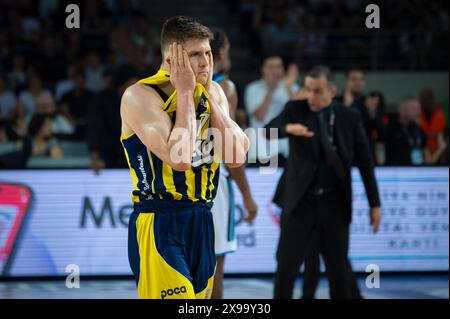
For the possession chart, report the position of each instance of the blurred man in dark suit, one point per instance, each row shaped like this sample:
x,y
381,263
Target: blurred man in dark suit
x,y
325,139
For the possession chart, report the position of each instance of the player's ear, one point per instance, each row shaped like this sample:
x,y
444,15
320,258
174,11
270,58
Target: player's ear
x,y
166,55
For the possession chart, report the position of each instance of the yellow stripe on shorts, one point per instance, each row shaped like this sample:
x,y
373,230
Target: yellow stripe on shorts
x,y
157,279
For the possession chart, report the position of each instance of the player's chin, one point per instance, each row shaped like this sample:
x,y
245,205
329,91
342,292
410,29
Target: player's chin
x,y
202,79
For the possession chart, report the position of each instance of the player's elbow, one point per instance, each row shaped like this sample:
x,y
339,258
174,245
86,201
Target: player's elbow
x,y
172,155
180,161
235,164
180,167
246,144
241,153
238,160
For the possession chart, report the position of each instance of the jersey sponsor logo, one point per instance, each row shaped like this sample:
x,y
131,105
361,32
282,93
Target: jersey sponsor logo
x,y
204,146
174,291
144,175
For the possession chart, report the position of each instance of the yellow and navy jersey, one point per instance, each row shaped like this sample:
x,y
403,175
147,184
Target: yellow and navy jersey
x,y
153,178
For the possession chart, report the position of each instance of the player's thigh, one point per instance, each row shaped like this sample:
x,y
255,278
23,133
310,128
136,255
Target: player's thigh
x,y
160,278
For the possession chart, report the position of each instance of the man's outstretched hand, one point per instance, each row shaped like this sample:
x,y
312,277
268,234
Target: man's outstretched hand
x,y
298,130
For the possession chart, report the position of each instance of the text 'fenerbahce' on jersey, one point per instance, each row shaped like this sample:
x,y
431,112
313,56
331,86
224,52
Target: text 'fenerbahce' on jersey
x,y
153,178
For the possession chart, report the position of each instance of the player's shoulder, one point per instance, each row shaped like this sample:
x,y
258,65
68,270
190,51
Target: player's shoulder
x,y
216,87
138,95
227,82
224,85
216,90
139,91
229,87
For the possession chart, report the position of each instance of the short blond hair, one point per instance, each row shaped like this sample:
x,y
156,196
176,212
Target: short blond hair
x,y
181,28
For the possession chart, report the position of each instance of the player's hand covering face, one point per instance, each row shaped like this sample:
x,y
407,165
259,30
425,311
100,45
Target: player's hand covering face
x,y
181,74
200,57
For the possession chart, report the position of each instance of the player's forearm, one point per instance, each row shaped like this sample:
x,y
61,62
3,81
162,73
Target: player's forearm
x,y
261,111
181,142
239,176
233,143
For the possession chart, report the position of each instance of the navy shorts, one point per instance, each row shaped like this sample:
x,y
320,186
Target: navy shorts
x,y
171,249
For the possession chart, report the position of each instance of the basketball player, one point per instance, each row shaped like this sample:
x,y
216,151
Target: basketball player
x,y
174,127
223,208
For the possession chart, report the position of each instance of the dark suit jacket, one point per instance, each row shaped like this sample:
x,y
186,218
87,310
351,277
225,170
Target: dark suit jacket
x,y
353,148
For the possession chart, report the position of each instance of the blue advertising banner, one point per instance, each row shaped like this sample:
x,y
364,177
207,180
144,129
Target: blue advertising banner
x,y
50,219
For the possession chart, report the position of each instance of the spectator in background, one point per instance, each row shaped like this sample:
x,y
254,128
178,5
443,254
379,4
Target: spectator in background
x,y
445,109
121,46
50,62
311,40
93,71
44,144
7,100
278,33
65,85
264,100
374,120
47,8
405,140
14,21
96,18
74,105
73,48
9,112
61,126
17,77
146,37
432,120
124,10
5,49
3,132
355,83
250,23
104,125
440,156
14,154
27,98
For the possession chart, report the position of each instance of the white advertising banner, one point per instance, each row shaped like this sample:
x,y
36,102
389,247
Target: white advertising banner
x,y
50,219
